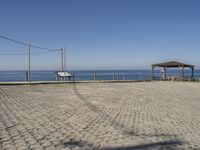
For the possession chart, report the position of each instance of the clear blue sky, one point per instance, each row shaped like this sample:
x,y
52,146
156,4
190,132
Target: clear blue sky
x,y
101,34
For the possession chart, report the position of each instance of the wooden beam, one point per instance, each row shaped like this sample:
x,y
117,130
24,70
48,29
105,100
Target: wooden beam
x,y
192,73
153,72
165,72
182,71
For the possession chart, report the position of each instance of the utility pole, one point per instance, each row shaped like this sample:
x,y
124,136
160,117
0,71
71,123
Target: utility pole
x,y
65,59
65,62
62,69
29,63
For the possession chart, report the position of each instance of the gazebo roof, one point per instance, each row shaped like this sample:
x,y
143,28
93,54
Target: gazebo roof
x,y
172,64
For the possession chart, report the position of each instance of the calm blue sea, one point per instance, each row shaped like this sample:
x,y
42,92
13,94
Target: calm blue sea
x,y
6,76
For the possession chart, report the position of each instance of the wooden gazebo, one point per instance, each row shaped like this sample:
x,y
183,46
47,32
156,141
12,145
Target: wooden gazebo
x,y
172,64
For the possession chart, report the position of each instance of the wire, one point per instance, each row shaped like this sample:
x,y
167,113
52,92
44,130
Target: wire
x,y
43,53
26,44
49,49
22,43
3,54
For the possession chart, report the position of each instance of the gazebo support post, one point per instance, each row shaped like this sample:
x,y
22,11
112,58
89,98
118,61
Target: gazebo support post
x,y
153,72
182,72
164,72
192,73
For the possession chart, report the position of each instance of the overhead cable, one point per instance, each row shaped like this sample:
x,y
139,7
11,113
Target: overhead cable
x,y
26,44
26,53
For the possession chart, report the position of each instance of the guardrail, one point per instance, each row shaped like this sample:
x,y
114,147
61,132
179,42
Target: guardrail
x,y
21,76
112,76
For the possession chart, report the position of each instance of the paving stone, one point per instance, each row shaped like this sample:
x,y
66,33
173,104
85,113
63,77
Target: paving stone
x,y
145,115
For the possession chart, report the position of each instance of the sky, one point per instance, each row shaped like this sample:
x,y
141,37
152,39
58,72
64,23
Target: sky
x,y
100,34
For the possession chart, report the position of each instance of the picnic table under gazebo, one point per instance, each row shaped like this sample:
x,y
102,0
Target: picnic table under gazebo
x,y
173,64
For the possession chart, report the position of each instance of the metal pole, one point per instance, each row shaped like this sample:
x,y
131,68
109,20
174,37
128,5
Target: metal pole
x,y
192,72
73,75
153,72
94,75
165,72
29,63
65,57
182,72
26,75
61,50
62,67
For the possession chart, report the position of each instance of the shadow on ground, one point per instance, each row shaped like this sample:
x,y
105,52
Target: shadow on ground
x,y
168,145
165,144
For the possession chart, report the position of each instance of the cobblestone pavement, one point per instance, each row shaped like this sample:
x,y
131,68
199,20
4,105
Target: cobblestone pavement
x,y
100,116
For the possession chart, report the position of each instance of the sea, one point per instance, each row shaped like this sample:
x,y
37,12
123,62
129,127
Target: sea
x,y
82,75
